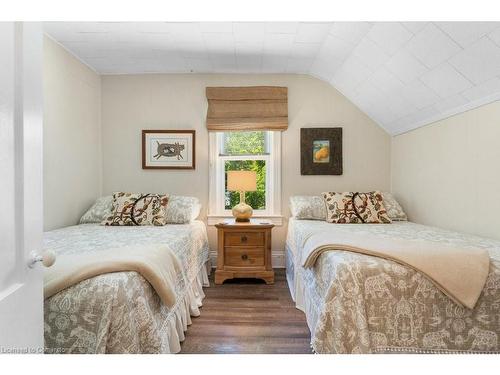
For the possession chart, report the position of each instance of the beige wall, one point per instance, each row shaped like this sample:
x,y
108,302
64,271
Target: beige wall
x,y
72,136
131,103
448,174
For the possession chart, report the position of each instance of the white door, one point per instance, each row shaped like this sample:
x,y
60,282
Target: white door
x,y
21,294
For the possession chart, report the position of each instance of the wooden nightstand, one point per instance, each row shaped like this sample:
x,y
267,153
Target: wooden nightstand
x,y
244,250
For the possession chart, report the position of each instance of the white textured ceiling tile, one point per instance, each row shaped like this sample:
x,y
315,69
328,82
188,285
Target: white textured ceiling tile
x,y
399,105
465,33
419,95
248,31
352,70
335,49
445,81
193,51
312,32
432,47
219,42
495,36
278,43
249,63
282,27
484,90
325,68
390,36
414,27
405,66
478,62
216,27
299,65
450,103
350,32
385,81
199,65
274,63
305,50
185,32
371,54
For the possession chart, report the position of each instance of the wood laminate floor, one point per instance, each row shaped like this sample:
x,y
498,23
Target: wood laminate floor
x,y
248,316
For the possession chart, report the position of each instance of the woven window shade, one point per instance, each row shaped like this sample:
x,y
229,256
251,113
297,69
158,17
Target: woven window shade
x,y
247,108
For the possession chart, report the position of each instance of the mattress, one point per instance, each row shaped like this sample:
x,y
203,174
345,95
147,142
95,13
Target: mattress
x,y
120,312
356,303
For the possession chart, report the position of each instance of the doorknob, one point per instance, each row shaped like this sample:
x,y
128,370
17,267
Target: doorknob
x,y
48,258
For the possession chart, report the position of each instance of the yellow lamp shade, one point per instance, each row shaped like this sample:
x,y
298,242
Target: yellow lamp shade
x,y
241,181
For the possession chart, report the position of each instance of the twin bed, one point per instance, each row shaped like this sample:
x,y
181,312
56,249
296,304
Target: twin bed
x,y
356,303
120,312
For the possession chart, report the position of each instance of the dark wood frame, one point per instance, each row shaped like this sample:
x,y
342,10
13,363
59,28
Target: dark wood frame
x,y
307,136
144,132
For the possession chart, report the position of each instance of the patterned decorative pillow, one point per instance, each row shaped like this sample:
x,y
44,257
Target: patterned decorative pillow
x,y
393,208
306,207
355,208
182,209
99,211
137,209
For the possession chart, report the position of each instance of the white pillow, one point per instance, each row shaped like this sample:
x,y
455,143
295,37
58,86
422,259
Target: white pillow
x,y
393,208
308,207
181,209
99,211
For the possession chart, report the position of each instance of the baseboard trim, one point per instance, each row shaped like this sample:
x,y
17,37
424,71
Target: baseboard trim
x,y
277,256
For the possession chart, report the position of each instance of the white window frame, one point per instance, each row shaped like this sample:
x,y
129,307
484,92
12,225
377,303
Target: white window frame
x,y
216,210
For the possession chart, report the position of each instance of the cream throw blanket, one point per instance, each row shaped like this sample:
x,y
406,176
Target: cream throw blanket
x,y
460,273
157,264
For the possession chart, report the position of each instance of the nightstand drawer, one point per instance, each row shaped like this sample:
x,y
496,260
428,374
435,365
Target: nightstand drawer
x,y
244,257
244,239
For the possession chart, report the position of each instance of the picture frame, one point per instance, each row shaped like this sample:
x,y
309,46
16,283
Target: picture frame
x,y
168,149
321,151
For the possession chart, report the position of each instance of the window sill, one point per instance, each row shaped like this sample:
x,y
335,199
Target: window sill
x,y
275,219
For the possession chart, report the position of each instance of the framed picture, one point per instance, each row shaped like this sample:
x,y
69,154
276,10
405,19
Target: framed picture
x,y
168,149
321,151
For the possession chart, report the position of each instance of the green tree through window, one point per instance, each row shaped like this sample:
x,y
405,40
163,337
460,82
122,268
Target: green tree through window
x,y
240,144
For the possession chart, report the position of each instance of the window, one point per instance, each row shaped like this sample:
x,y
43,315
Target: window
x,y
257,151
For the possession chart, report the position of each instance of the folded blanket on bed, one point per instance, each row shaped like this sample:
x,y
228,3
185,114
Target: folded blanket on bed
x,y
458,272
157,264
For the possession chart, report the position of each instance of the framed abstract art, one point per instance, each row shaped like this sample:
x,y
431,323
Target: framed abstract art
x,y
168,149
321,151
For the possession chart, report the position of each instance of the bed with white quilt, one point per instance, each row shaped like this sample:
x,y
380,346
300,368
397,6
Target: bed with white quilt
x,y
121,312
359,303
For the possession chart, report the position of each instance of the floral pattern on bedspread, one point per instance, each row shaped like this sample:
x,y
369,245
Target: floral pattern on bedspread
x,y
119,312
363,304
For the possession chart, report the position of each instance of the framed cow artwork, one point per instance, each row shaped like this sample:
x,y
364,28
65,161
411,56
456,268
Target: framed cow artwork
x,y
168,149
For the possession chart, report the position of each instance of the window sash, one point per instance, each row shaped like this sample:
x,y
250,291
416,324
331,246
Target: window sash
x,y
217,174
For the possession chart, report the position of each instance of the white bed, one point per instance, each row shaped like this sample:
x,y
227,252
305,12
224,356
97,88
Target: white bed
x,y
120,312
356,303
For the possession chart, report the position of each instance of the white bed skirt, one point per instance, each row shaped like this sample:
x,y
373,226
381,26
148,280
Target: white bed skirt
x,y
179,321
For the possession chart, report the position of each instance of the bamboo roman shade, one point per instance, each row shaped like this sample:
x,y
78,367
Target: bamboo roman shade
x,y
247,108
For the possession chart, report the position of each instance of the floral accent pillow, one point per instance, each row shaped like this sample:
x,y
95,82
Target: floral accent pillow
x,y
355,208
99,211
306,207
393,208
137,209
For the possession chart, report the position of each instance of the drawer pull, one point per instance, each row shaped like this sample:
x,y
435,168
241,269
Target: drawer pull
x,y
244,257
244,238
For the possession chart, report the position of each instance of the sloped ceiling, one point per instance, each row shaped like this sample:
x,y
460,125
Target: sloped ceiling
x,y
402,74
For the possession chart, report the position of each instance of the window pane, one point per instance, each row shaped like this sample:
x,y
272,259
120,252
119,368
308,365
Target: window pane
x,y
245,143
255,199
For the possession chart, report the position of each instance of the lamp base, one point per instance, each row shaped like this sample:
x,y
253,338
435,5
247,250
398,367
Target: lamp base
x,y
242,212
238,220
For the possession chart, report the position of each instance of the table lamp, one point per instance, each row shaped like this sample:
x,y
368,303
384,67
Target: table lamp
x,y
242,181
